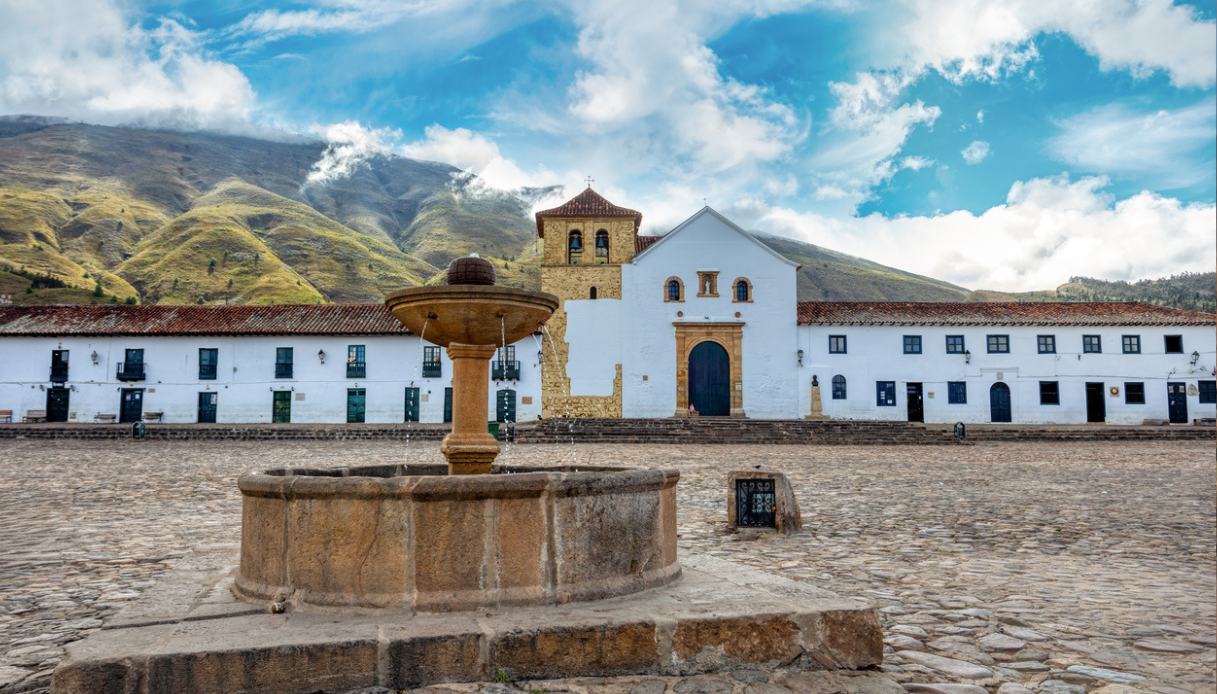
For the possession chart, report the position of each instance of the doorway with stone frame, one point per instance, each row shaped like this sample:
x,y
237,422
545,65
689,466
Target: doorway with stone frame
x,y
727,334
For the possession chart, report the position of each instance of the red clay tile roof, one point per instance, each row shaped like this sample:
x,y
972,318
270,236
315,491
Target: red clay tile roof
x,y
311,319
641,243
995,313
589,203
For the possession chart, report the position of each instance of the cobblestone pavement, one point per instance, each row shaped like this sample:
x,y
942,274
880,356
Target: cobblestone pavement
x,y
1047,567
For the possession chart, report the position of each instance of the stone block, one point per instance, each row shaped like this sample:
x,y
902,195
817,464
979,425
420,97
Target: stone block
x,y
786,515
575,650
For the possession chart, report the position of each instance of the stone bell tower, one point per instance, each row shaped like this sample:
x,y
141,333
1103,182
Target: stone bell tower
x,y
585,242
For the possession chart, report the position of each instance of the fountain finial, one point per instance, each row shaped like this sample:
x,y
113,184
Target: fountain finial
x,y
471,270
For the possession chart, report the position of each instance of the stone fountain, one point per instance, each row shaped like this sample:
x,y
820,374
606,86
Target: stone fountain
x,y
406,575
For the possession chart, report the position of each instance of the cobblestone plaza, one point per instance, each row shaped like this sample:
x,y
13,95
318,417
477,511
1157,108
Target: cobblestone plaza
x,y
1047,566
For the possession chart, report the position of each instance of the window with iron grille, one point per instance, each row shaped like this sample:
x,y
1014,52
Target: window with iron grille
x,y
208,357
1208,392
1134,393
998,344
283,362
1050,393
836,344
955,344
838,387
1092,344
912,344
885,393
356,366
1045,344
957,393
431,363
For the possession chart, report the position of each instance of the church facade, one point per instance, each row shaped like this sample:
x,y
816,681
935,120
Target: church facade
x,y
705,321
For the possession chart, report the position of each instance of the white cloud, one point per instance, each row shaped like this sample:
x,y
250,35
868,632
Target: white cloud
x,y
1163,148
865,133
477,154
86,60
916,163
985,39
1048,230
349,145
980,116
976,152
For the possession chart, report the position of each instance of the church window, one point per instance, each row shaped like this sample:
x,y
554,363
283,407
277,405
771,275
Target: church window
x,y
673,290
836,344
591,294
743,290
707,284
574,246
602,246
838,387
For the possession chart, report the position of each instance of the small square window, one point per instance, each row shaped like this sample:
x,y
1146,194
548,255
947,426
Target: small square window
x,y
1050,393
912,344
836,344
885,393
957,393
955,344
1092,344
998,344
1046,344
1174,344
1134,393
1131,344
1208,392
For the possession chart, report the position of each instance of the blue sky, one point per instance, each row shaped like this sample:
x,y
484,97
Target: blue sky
x,y
1005,144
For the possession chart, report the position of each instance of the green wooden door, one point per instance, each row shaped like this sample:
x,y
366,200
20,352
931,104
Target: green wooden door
x,y
447,404
356,405
281,409
505,405
412,404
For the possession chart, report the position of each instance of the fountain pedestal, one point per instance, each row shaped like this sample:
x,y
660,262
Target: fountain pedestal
x,y
469,448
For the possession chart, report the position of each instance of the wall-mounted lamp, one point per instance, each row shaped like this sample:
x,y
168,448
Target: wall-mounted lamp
x,y
1195,358
967,356
94,357
800,357
321,355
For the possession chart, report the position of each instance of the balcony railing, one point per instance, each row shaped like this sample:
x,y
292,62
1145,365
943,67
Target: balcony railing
x,y
283,370
59,373
505,370
357,369
130,371
432,370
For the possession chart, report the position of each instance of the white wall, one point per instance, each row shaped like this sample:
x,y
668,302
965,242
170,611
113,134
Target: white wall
x,y
706,243
245,377
593,333
875,353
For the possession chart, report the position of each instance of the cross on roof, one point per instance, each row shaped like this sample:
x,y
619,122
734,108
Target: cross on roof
x,y
590,180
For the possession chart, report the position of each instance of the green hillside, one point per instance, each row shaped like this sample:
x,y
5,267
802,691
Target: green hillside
x,y
117,214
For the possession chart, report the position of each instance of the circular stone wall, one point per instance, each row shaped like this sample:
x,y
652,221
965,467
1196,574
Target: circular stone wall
x,y
413,537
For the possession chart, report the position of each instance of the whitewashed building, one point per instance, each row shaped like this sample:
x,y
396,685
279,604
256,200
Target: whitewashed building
x,y
308,364
704,321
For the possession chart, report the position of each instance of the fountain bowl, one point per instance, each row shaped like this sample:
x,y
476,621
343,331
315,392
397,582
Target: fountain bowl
x,y
413,538
471,314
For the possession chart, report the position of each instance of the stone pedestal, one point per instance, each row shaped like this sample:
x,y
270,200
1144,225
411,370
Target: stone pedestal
x,y
787,518
470,449
817,407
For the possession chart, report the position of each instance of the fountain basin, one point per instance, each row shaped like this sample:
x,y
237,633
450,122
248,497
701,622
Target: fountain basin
x,y
470,314
414,538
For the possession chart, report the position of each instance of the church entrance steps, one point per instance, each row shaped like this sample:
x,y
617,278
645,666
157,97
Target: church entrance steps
x,y
188,634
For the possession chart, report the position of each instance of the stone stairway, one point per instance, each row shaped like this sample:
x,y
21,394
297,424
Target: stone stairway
x,y
694,430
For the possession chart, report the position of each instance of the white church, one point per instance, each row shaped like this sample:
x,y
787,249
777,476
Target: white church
x,y
702,321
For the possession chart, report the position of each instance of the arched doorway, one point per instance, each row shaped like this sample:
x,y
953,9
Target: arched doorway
x,y
999,403
710,380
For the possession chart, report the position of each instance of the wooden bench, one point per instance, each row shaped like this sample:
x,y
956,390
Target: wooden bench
x,y
105,418
154,417
6,416
34,416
